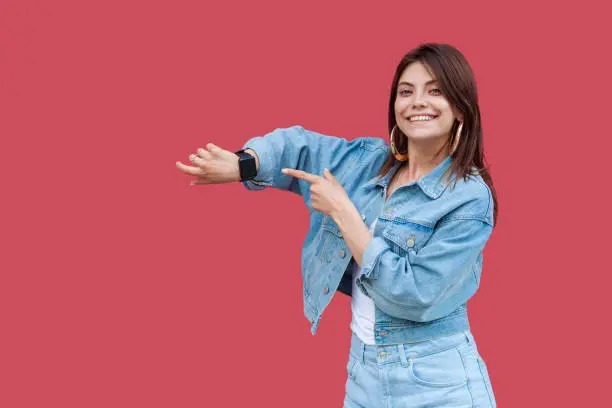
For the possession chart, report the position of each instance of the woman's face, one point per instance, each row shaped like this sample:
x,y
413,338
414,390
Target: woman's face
x,y
421,111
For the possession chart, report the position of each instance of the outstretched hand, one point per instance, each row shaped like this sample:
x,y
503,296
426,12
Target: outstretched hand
x,y
212,165
326,193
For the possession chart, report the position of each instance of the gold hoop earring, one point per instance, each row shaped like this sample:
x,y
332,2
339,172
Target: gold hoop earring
x,y
457,138
399,156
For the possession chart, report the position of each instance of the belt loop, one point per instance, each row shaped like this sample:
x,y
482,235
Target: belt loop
x,y
363,353
402,354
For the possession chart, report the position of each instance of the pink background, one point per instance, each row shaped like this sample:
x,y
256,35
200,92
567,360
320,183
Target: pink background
x,y
122,286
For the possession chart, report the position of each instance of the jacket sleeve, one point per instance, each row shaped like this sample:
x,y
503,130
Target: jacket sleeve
x,y
432,283
298,148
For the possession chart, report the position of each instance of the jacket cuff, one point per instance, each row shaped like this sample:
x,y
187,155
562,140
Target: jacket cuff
x,y
255,185
371,256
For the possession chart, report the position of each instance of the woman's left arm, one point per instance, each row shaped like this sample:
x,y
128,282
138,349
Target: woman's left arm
x,y
330,198
355,232
435,281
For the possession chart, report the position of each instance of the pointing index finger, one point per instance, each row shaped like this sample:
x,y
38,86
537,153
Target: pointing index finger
x,y
311,178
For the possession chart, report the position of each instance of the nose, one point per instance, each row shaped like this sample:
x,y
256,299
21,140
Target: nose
x,y
419,101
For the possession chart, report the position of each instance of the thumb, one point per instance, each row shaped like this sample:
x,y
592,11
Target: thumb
x,y
329,176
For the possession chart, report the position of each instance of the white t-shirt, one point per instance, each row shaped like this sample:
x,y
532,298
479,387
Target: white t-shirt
x,y
362,308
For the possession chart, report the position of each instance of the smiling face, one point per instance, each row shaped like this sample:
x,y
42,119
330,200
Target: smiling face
x,y
422,112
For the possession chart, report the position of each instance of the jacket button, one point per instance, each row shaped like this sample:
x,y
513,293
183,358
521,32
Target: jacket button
x,y
325,289
410,242
363,217
341,253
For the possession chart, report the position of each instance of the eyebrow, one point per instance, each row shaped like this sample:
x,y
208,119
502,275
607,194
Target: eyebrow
x,y
426,83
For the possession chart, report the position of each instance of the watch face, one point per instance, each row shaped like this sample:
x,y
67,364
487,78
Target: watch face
x,y
248,167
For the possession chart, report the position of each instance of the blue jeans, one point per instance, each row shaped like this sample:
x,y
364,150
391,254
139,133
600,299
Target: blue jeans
x,y
440,372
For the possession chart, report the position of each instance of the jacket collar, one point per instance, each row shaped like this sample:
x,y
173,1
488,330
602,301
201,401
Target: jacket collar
x,y
432,184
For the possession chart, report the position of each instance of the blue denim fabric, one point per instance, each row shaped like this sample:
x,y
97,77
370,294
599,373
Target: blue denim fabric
x,y
425,259
442,372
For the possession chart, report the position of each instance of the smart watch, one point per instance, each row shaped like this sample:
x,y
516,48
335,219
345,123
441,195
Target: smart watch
x,y
247,165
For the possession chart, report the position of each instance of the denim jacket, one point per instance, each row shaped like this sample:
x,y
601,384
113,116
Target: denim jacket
x,y
425,259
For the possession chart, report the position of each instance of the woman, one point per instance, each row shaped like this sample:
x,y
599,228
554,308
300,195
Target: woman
x,y
399,228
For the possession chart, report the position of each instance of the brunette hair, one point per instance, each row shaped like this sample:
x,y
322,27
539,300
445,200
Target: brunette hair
x,y
458,85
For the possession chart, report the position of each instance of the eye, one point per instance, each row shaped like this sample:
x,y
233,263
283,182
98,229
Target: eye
x,y
437,90
402,92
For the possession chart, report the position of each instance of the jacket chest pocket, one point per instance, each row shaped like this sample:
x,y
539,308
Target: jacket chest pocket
x,y
405,237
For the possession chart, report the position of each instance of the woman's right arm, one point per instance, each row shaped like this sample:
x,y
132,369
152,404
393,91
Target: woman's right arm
x,y
297,148
294,148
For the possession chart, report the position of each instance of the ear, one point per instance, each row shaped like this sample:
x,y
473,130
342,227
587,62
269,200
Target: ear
x,y
457,114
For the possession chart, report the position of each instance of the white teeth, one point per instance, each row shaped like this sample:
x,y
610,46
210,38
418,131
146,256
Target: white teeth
x,y
424,117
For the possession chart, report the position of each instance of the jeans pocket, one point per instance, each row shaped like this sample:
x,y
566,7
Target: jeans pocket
x,y
351,368
478,377
441,369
